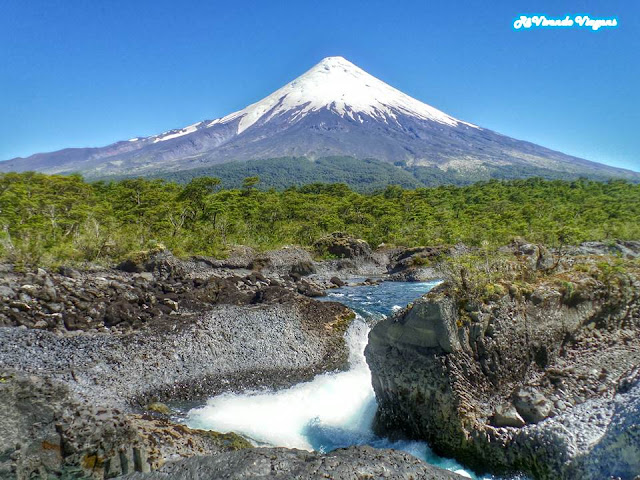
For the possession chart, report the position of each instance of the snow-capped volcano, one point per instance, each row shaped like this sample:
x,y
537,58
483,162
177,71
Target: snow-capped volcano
x,y
333,109
339,86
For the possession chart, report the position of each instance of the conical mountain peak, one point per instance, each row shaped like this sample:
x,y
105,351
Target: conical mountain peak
x,y
337,85
336,62
334,109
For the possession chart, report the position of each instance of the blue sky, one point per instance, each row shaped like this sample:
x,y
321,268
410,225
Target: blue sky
x,y
87,73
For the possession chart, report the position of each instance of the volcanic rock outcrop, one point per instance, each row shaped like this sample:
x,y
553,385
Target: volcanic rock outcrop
x,y
284,464
539,376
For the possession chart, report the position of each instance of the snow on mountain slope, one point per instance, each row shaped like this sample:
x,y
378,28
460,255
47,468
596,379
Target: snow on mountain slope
x,y
333,109
163,137
343,88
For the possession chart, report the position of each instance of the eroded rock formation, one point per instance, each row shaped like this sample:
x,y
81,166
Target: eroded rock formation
x,y
542,379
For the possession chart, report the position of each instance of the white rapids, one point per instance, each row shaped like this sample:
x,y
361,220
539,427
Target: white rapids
x,y
283,418
331,411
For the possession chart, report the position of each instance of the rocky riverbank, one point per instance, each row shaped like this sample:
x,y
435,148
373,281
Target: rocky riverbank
x,y
87,353
284,464
48,431
539,373
539,376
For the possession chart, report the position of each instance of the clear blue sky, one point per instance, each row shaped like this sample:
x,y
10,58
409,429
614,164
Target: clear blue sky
x,y
87,73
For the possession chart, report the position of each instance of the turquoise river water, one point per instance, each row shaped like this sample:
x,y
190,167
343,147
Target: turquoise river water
x,y
333,410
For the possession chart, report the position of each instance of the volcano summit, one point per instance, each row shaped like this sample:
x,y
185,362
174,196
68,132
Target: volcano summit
x,y
335,109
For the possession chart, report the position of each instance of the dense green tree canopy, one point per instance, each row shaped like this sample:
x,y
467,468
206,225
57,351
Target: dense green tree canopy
x,y
54,218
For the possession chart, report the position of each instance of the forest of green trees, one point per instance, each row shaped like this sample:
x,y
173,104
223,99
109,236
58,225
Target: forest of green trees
x,y
49,219
363,175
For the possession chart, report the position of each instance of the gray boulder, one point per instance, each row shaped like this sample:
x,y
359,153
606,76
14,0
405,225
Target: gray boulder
x,y
424,325
539,257
532,405
507,416
343,246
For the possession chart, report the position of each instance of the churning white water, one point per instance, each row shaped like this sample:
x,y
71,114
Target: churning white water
x,y
334,409
287,417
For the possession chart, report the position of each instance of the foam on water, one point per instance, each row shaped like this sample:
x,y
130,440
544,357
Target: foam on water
x,y
287,417
333,410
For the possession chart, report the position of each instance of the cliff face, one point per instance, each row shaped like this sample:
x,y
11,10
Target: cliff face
x,y
543,379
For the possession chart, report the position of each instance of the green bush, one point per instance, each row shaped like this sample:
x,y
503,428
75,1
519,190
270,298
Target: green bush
x,y
55,218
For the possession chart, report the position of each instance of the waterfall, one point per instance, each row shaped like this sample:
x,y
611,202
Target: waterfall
x,y
331,411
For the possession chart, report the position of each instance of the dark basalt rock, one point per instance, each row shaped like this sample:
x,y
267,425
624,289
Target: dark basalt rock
x,y
162,285
507,416
303,268
83,352
93,347
68,272
309,289
287,339
284,464
532,384
425,325
532,405
48,432
406,258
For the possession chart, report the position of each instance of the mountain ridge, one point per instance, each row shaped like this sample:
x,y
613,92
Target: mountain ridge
x,y
333,109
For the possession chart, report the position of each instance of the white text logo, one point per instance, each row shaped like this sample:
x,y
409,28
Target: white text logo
x,y
584,21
